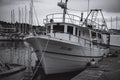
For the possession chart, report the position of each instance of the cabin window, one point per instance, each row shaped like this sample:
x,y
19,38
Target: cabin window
x,y
99,35
93,34
83,33
70,30
79,33
76,29
48,29
58,28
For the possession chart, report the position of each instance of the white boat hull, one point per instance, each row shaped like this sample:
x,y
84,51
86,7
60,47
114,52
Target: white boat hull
x,y
59,56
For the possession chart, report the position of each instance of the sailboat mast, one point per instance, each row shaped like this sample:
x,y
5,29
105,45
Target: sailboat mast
x,y
31,12
64,7
31,16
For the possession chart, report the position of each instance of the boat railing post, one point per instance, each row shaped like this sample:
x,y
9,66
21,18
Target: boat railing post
x,y
78,39
53,17
73,19
69,37
46,19
51,29
54,34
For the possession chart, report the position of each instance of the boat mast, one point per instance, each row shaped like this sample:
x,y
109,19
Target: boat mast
x,y
65,10
64,7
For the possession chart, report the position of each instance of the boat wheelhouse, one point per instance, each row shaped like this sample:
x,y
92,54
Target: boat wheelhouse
x,y
73,29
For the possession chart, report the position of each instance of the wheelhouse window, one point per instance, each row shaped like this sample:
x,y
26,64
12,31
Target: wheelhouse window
x,y
83,33
99,36
70,30
58,28
48,29
76,29
79,33
93,34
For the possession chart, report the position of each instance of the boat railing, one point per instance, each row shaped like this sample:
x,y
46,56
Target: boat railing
x,y
58,17
74,19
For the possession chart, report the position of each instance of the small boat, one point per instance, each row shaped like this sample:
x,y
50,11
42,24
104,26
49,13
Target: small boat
x,y
70,41
11,71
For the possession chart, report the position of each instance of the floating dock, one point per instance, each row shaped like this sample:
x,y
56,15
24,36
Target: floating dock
x,y
108,69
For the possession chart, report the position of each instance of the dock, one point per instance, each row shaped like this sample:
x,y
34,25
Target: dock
x,y
108,69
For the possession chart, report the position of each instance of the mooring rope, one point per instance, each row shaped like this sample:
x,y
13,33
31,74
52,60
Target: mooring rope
x,y
42,56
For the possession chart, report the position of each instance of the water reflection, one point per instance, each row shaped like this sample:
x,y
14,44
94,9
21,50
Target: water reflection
x,y
17,52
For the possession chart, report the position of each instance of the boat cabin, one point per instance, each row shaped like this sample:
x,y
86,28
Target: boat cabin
x,y
70,30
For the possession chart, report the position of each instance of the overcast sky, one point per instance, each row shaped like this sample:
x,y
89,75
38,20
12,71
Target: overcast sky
x,y
111,8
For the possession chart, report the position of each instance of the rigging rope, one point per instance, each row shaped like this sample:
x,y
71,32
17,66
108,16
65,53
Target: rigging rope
x,y
42,56
69,17
77,10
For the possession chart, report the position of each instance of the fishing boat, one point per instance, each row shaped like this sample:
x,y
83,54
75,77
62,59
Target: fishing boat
x,y
70,41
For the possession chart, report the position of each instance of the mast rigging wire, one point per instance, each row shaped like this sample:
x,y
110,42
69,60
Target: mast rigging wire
x,y
76,10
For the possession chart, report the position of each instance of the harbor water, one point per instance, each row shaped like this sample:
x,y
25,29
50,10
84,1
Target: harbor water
x,y
16,52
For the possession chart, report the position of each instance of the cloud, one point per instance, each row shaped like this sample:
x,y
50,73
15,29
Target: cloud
x,y
10,2
44,7
15,2
107,5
